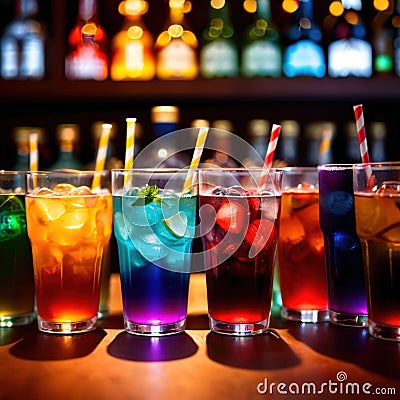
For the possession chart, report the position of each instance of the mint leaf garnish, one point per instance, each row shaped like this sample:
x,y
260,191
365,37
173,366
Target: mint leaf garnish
x,y
148,194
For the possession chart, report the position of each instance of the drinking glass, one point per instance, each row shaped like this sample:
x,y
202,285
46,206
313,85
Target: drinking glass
x,y
154,222
301,248
69,220
239,224
343,254
377,208
17,288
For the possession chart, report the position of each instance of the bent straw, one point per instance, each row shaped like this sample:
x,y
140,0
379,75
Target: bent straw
x,y
101,154
269,157
362,140
198,151
130,145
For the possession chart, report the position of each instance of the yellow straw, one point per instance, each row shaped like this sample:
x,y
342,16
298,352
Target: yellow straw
x,y
101,154
33,152
201,140
130,142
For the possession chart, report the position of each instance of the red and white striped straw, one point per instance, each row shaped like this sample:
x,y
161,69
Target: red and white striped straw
x,y
269,157
273,141
362,141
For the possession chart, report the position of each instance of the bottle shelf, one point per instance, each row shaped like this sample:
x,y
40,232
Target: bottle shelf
x,y
204,90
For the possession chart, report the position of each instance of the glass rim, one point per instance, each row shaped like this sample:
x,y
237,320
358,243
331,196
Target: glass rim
x,y
11,172
335,166
376,165
67,172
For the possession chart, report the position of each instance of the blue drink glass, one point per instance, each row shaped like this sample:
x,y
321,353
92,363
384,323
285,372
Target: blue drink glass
x,y
154,227
343,252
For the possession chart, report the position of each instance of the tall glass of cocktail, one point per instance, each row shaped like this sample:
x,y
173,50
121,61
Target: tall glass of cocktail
x,y
154,222
69,220
17,289
377,207
239,223
301,248
343,255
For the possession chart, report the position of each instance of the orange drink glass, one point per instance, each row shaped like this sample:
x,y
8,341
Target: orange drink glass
x,y
301,251
377,208
69,224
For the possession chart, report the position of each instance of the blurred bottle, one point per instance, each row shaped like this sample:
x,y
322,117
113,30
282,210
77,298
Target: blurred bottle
x,y
88,61
219,53
287,148
68,139
304,56
383,35
319,137
21,140
87,14
377,132
258,131
132,47
220,139
164,151
176,46
262,53
352,146
349,54
23,44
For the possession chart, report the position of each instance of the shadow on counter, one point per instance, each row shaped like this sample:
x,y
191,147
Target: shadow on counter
x,y
266,351
157,348
46,346
353,345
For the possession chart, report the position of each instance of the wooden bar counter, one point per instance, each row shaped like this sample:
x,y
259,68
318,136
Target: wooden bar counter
x,y
293,361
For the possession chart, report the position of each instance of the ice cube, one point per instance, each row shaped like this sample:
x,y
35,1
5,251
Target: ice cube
x,y
389,187
63,189
150,247
376,215
141,214
235,191
81,191
43,210
291,230
218,191
42,192
340,202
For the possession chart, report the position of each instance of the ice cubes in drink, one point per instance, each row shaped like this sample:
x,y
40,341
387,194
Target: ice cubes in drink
x,y
340,202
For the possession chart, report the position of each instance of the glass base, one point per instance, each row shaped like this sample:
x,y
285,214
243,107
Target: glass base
x,y
154,330
356,320
67,328
104,312
226,328
16,320
384,331
305,315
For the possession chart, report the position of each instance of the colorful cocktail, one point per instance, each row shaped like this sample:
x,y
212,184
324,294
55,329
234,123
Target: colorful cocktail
x,y
17,289
154,226
301,248
377,207
343,253
240,227
69,225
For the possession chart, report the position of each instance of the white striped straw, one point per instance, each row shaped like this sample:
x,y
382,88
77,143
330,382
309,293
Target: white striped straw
x,y
198,151
269,157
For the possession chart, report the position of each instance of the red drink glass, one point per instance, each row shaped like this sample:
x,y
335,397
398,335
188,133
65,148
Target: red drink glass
x,y
301,248
239,212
